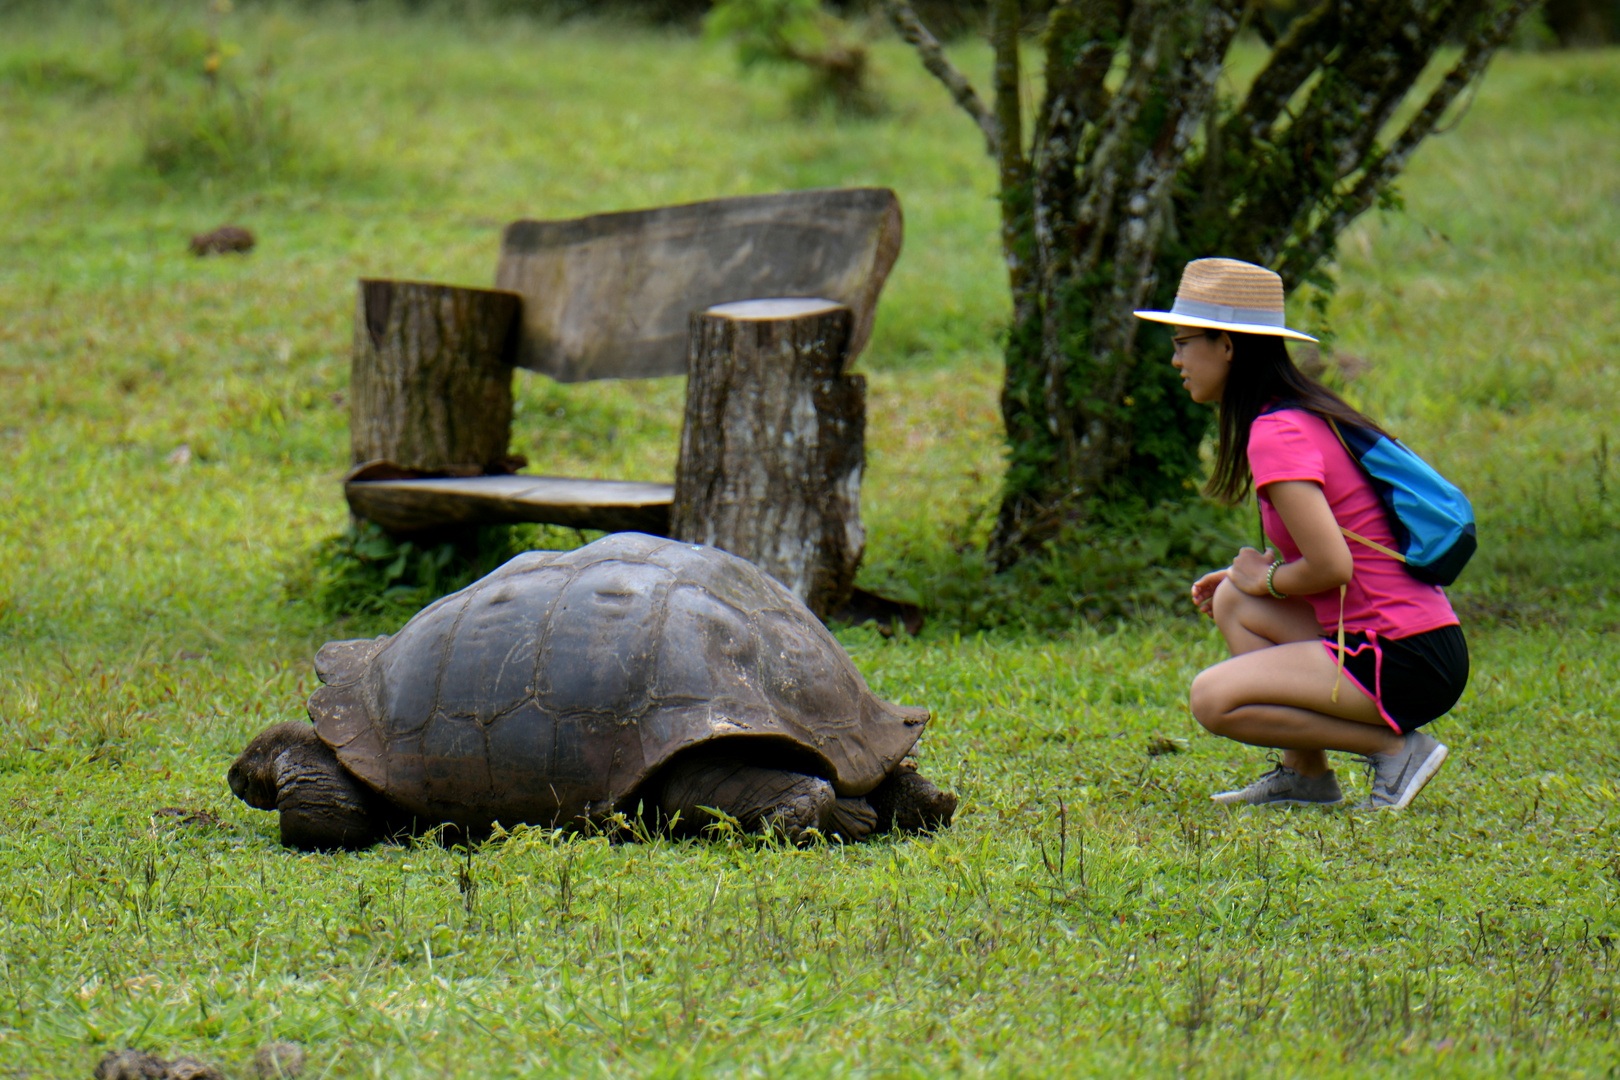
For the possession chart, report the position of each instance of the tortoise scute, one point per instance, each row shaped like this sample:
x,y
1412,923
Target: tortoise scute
x,y
341,711
341,662
637,547
408,668
802,674
455,763
733,580
524,563
708,650
602,633
490,667
532,776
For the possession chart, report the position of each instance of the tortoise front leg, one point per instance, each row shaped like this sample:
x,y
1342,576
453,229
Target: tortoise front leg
x,y
787,803
287,768
907,801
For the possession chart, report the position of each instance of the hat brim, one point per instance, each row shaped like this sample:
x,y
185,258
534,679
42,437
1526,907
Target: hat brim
x,y
1213,324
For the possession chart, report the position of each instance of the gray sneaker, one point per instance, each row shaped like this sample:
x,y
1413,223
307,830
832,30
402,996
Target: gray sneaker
x,y
1283,786
1398,775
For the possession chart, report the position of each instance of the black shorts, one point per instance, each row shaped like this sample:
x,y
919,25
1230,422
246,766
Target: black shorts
x,y
1413,679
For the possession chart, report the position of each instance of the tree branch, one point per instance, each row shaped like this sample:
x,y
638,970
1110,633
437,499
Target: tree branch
x,y
1146,32
1291,63
1190,96
1295,173
1254,14
1012,165
1082,37
1301,258
1004,20
1383,77
911,28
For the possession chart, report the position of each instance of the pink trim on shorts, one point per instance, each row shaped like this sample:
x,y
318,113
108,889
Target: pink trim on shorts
x,y
1376,693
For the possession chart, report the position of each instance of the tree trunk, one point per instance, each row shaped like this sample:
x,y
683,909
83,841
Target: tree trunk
x,y
431,384
1115,191
774,444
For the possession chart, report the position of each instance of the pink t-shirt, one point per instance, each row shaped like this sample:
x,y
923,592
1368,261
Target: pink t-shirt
x,y
1293,444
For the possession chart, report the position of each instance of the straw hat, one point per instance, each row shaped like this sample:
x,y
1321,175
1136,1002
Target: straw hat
x,y
1227,294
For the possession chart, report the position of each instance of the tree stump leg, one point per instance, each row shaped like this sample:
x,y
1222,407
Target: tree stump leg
x,y
773,445
430,388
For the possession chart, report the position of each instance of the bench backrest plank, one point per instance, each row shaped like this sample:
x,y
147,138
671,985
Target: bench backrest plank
x,y
610,296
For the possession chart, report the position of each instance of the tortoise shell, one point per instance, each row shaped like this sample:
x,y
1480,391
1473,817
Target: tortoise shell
x,y
553,688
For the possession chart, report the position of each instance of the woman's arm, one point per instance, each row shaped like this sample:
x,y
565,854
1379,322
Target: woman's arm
x,y
1324,562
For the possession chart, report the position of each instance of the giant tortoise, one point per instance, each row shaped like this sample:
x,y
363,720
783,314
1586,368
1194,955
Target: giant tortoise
x,y
573,689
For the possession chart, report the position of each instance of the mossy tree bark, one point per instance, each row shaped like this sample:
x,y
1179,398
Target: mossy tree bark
x,y
773,444
1118,188
430,387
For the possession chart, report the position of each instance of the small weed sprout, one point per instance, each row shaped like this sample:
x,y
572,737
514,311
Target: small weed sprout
x,y
564,874
1600,471
467,884
1060,885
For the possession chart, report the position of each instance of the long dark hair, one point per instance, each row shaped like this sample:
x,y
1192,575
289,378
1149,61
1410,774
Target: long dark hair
x,y
1263,372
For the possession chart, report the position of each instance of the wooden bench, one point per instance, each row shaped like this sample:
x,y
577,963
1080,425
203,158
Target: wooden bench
x,y
612,296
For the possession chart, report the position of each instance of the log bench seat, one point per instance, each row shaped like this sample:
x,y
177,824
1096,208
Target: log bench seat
x,y
764,301
411,506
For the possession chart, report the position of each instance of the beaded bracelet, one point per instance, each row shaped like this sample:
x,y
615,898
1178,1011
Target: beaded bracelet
x,y
1270,588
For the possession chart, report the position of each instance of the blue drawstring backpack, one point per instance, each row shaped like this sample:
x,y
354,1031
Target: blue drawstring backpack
x,y
1431,518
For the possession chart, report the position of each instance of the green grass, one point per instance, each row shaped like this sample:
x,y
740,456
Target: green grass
x,y
150,619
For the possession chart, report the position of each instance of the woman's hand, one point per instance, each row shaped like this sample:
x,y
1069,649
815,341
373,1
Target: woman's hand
x,y
1325,561
1247,573
1249,570
1203,590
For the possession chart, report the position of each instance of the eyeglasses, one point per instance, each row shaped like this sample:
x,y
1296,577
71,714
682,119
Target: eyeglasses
x,y
1180,341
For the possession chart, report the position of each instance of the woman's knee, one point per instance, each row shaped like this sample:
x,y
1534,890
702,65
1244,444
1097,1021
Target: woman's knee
x,y
1208,703
1227,602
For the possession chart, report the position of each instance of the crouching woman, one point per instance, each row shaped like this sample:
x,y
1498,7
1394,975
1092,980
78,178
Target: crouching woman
x,y
1290,685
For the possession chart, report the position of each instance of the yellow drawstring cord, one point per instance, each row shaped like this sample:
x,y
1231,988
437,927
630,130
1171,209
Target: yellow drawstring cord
x,y
1338,675
1376,546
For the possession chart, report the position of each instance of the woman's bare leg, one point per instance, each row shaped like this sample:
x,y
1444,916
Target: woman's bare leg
x,y
1277,690
1259,622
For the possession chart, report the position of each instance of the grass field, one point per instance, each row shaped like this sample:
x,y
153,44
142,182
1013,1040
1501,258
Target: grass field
x,y
152,618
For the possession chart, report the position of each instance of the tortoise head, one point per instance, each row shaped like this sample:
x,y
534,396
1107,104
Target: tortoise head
x,y
253,774
289,769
